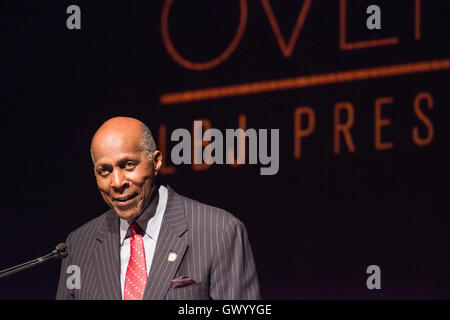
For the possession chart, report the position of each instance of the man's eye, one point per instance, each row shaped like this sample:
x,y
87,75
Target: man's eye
x,y
130,165
103,172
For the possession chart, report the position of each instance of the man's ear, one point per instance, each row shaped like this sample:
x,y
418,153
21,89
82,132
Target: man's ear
x,y
157,161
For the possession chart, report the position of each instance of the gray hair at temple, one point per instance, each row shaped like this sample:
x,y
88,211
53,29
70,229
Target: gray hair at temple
x,y
147,143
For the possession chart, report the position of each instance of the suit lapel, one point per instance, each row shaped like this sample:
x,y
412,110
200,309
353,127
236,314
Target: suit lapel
x,y
171,239
107,257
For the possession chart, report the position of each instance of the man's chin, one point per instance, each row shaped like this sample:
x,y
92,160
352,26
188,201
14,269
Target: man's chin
x,y
127,214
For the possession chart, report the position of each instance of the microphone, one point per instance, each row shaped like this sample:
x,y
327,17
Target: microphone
x,y
59,252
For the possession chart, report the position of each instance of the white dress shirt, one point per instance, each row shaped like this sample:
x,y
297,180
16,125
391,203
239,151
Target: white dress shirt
x,y
150,237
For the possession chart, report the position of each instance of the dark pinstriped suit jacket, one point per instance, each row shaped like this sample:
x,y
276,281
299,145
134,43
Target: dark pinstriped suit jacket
x,y
212,248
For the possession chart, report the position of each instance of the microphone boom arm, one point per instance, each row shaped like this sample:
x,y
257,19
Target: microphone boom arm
x,y
59,252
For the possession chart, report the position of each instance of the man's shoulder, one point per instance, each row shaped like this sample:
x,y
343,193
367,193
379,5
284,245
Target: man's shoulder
x,y
197,212
89,229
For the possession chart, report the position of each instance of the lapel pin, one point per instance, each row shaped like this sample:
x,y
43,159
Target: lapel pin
x,y
172,257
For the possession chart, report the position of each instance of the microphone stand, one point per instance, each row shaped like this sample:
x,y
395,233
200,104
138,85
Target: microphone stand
x,y
59,252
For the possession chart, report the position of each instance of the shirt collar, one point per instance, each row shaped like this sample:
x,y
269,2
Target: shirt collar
x,y
145,220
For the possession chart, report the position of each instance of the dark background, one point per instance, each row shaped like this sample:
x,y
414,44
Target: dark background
x,y
317,224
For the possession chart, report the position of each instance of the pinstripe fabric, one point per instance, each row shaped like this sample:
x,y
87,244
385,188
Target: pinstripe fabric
x,y
212,248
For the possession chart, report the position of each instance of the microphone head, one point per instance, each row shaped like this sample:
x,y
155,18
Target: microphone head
x,y
60,250
61,247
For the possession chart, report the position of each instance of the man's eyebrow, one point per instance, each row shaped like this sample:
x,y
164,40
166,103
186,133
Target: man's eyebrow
x,y
129,157
122,161
102,165
126,159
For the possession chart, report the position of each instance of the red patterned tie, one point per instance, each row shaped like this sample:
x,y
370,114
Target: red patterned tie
x,y
136,277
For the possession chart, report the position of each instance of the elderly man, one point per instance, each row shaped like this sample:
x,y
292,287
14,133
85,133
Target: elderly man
x,y
153,243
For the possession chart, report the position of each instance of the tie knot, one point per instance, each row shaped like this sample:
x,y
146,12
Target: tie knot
x,y
135,228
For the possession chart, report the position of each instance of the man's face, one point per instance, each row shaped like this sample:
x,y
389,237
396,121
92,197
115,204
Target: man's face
x,y
124,173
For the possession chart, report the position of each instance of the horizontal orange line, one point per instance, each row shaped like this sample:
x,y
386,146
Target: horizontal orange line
x,y
368,44
303,81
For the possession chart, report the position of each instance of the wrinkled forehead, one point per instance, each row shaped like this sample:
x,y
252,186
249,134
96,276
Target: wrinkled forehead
x,y
113,145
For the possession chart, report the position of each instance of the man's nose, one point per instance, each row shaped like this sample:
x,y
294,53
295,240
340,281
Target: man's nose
x,y
118,179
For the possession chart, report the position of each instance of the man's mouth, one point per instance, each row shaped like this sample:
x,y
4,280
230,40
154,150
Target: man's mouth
x,y
125,199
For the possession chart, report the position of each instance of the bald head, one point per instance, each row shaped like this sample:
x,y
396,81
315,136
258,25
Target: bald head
x,y
126,164
125,128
